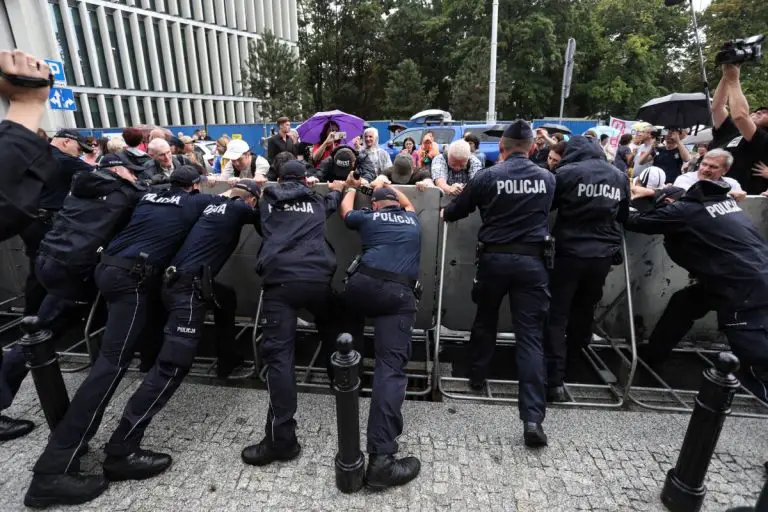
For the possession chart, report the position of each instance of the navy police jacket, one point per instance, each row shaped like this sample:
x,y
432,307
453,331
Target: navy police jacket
x,y
708,234
391,239
27,166
160,224
592,199
57,187
292,225
214,237
514,198
98,206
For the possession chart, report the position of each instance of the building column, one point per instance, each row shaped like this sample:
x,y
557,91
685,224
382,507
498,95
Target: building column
x,y
149,110
86,106
106,43
209,12
119,112
230,107
277,18
224,62
190,61
156,63
186,9
210,112
250,115
259,6
239,112
221,114
268,19
162,112
241,15
229,8
197,8
173,7
294,21
175,114
138,53
102,102
215,62
125,55
199,115
285,15
133,104
250,15
186,106
205,63
165,43
234,57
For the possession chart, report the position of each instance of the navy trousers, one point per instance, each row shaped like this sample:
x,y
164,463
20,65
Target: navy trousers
x,y
127,297
392,306
34,291
281,305
69,295
182,334
576,285
524,279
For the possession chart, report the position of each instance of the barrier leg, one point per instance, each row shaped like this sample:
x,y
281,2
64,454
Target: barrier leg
x,y
350,461
43,363
631,313
684,488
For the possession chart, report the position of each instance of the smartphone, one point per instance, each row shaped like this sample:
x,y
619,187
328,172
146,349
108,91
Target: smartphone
x,y
339,135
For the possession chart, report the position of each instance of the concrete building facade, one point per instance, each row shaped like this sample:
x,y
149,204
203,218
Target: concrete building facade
x,y
165,62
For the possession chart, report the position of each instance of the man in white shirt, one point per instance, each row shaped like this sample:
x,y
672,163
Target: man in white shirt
x,y
643,156
713,167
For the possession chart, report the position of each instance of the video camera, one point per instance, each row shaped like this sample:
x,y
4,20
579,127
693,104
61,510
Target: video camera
x,y
741,50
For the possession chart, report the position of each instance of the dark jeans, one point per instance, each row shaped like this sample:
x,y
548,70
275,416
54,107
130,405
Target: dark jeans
x,y
34,292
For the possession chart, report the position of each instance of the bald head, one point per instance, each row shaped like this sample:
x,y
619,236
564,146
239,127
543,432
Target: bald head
x,y
158,133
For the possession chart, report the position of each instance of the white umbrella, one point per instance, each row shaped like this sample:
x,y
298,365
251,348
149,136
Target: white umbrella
x,y
446,116
702,137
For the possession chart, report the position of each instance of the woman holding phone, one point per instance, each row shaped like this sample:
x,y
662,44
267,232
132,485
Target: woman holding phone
x,y
331,137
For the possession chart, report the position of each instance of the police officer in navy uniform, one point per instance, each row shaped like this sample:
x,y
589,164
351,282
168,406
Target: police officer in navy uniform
x,y
591,199
708,234
187,292
514,198
296,264
99,205
67,146
383,285
128,274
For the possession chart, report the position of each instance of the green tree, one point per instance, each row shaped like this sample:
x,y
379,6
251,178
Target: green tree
x,y
406,92
272,74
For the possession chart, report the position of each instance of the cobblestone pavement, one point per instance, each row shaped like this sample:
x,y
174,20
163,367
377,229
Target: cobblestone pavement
x,y
472,458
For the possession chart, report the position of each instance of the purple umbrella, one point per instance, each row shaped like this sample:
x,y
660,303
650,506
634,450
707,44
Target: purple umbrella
x,y
310,130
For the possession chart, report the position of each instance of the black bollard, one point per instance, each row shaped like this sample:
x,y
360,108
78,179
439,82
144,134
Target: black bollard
x,y
350,461
684,488
43,362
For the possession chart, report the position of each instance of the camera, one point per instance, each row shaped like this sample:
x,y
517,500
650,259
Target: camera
x,y
741,50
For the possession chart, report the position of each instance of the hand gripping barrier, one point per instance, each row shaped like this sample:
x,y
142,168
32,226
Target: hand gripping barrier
x,y
457,315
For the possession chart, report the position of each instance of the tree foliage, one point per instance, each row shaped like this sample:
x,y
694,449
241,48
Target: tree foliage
x,y
354,51
273,74
406,92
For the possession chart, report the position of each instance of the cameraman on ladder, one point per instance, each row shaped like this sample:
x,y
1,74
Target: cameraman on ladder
x,y
743,134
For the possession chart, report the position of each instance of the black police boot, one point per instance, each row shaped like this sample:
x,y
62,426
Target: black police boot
x,y
263,453
138,465
534,435
226,365
557,394
385,471
66,489
11,429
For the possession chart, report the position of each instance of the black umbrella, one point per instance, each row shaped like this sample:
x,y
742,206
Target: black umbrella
x,y
556,128
677,110
496,130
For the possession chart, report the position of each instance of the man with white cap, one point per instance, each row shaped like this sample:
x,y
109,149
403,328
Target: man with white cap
x,y
243,163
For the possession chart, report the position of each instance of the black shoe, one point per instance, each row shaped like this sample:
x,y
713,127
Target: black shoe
x,y
11,429
263,453
138,465
66,489
385,471
226,366
534,435
476,385
557,394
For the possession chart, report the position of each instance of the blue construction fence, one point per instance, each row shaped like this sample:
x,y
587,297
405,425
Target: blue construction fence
x,y
256,134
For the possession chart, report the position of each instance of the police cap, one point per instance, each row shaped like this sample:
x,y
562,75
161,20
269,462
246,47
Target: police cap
x,y
293,170
186,176
519,130
73,135
176,142
384,194
114,160
249,186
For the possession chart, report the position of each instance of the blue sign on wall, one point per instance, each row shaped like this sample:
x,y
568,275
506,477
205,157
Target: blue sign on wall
x,y
61,99
57,68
